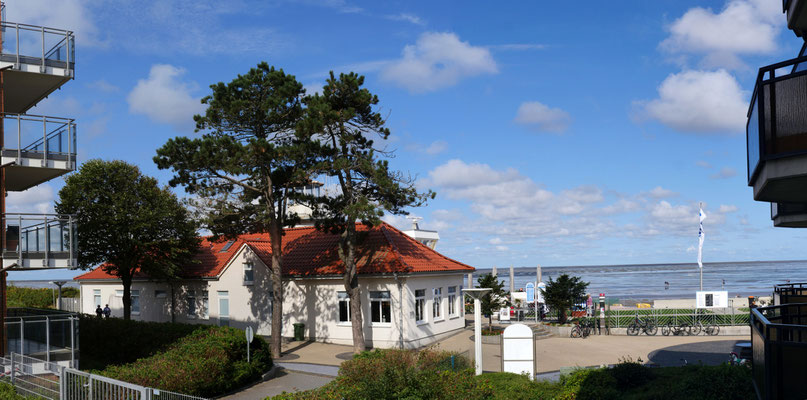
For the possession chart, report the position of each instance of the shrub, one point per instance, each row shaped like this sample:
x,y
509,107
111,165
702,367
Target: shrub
x,y
35,298
7,392
401,374
208,362
519,387
629,374
106,342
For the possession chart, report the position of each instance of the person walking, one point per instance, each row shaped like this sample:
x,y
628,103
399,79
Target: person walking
x,y
99,312
107,311
589,306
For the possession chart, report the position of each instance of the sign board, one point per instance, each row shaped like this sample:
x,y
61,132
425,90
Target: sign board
x,y
530,292
712,299
539,295
504,314
250,334
518,350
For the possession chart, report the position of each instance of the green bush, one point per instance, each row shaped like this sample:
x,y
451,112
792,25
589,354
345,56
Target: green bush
x,y
106,342
401,374
208,363
519,387
7,392
36,298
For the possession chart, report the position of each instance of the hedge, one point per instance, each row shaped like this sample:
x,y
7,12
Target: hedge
x,y
106,342
207,363
7,392
36,298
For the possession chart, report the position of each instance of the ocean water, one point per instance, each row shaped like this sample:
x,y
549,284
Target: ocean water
x,y
647,281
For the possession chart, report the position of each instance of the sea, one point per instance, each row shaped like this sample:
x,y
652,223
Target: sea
x,y
647,282
639,282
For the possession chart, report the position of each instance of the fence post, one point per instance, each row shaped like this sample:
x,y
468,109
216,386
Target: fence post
x,y
13,373
72,343
62,383
22,336
47,338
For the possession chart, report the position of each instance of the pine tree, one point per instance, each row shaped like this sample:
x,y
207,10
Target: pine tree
x,y
493,300
560,294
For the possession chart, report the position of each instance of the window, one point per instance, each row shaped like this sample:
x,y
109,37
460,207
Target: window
x,y
96,294
160,294
191,299
135,302
709,300
452,301
227,246
119,293
380,307
344,306
420,305
437,304
205,305
224,308
249,273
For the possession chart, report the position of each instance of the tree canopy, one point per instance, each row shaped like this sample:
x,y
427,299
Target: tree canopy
x,y
562,293
495,299
127,222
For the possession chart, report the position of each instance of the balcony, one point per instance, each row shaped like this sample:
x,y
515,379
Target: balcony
x,y
796,15
790,293
40,148
37,60
779,346
789,215
776,133
39,241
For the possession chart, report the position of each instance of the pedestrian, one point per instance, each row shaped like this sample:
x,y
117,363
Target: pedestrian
x,y
99,312
666,285
107,311
589,306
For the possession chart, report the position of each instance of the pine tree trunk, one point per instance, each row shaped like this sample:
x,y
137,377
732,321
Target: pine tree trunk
x,y
127,296
347,252
276,237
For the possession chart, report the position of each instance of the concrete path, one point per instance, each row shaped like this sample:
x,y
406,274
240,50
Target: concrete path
x,y
285,381
313,369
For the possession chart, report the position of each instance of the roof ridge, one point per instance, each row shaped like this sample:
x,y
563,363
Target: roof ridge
x,y
411,239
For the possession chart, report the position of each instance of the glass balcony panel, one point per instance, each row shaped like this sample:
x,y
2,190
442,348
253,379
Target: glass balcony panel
x,y
29,44
790,115
752,132
39,137
39,237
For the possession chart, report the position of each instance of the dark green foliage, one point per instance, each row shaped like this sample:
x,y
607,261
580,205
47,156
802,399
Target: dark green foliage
x,y
126,220
7,392
560,294
106,342
630,374
493,300
208,362
401,374
507,386
36,298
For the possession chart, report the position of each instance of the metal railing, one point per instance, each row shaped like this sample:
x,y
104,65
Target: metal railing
x,y
729,316
39,236
39,137
790,293
31,376
779,347
777,115
38,45
51,336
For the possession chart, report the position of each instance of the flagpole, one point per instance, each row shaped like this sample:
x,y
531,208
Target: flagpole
x,y
700,242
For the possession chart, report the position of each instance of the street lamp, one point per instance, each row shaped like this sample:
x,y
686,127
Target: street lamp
x,y
476,294
59,284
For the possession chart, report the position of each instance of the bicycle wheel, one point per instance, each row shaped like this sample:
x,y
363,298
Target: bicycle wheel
x,y
712,330
633,330
684,329
696,328
666,329
576,332
650,329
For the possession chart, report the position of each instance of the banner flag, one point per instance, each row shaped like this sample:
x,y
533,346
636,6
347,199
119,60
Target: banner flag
x,y
702,217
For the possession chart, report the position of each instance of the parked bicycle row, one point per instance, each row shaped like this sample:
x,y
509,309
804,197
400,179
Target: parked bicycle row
x,y
586,326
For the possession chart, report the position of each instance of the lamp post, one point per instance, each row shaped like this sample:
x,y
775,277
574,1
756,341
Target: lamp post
x,y
59,284
476,294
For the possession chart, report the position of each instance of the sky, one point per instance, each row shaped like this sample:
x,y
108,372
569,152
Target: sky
x,y
554,133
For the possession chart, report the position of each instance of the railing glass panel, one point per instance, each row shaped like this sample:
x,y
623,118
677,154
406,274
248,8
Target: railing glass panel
x,y
39,137
31,44
39,236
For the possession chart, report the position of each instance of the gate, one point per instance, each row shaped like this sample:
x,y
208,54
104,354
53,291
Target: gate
x,y
79,385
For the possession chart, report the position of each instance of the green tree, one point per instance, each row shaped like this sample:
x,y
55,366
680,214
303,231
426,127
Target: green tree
x,y
560,294
345,121
128,222
245,166
493,300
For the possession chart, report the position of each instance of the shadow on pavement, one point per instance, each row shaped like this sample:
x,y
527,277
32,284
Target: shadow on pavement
x,y
707,353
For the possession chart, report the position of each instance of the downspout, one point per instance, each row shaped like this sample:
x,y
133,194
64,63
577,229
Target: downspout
x,y
400,310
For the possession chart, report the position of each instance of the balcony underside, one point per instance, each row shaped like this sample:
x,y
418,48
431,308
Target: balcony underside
x,y
790,221
39,260
797,17
782,180
32,171
25,87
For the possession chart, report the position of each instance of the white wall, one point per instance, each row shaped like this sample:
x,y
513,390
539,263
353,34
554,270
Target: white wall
x,y
313,302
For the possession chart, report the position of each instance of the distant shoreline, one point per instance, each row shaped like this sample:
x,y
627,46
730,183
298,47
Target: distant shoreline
x,y
641,265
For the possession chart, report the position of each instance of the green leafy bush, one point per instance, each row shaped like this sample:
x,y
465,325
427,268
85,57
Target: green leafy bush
x,y
401,374
519,387
106,342
36,298
7,392
208,363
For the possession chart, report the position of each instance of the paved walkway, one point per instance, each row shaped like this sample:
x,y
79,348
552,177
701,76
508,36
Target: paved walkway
x,y
285,381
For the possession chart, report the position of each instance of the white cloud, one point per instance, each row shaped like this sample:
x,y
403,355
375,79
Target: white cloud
x,y
37,199
313,88
496,240
541,118
164,98
103,86
700,102
727,208
703,164
659,192
742,27
724,173
406,17
71,15
436,61
436,147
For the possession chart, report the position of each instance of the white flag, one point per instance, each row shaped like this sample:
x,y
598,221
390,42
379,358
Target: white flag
x,y
700,238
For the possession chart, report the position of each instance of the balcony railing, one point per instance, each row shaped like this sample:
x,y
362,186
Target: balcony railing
x,y
777,115
39,241
39,137
38,45
790,293
779,343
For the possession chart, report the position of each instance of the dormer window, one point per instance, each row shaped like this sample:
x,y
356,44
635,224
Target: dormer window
x,y
227,246
249,273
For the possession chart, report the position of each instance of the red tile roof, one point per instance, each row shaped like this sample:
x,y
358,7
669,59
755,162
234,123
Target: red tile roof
x,y
309,252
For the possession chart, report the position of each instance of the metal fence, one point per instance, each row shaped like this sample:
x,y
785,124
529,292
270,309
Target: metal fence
x,y
48,335
34,377
675,316
70,304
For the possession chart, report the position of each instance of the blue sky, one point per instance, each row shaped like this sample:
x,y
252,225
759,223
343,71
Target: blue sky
x,y
554,133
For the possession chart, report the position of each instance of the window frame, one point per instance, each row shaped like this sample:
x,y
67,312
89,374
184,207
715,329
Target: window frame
x,y
249,266
340,300
135,297
96,295
452,302
420,305
205,309
380,297
437,305
190,302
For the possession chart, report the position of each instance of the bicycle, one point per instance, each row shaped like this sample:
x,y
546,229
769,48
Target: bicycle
x,y
676,330
708,329
638,325
582,329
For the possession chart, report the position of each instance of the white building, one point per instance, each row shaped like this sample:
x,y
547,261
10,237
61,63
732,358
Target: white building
x,y
411,295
